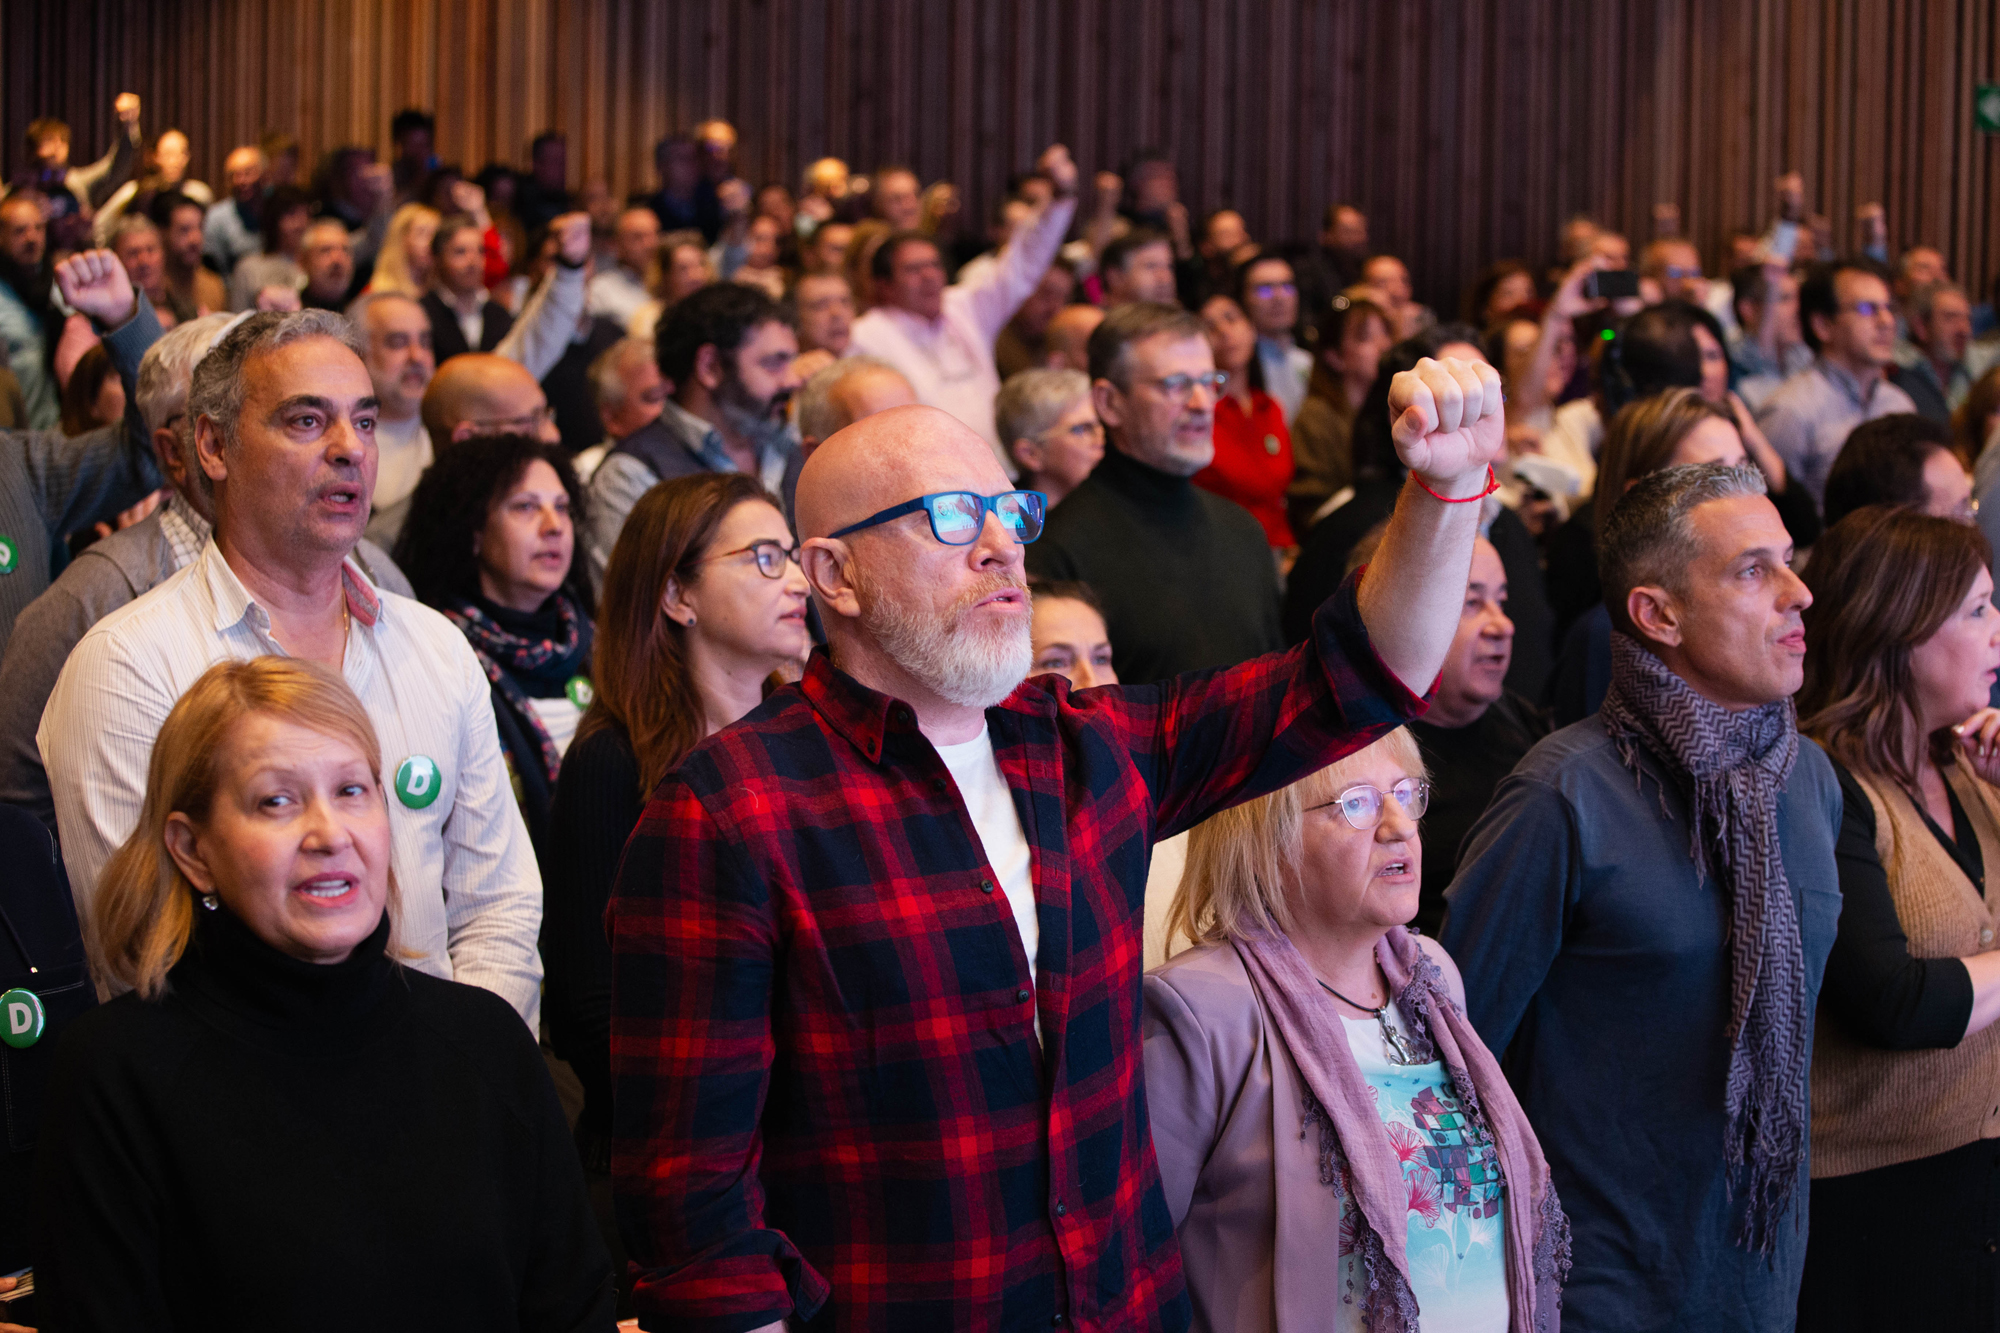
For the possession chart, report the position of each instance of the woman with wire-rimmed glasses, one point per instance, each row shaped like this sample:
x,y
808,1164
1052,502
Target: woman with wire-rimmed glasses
x,y
703,610
1336,1143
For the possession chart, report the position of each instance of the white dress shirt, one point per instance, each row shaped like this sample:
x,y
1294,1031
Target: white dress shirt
x,y
470,889
949,361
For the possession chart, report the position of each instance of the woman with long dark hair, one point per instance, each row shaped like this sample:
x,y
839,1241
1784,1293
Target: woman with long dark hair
x,y
704,604
1902,645
491,542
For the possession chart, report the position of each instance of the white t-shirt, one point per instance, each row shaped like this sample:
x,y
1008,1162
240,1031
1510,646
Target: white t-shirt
x,y
991,806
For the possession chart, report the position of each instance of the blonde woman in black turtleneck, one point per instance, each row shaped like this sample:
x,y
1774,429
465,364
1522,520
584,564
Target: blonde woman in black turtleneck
x,y
278,1125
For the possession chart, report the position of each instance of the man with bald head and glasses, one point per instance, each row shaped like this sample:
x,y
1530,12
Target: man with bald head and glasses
x,y
1186,577
875,1011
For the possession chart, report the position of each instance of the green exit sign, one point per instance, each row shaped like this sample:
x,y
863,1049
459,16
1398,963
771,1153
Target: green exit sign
x,y
1986,107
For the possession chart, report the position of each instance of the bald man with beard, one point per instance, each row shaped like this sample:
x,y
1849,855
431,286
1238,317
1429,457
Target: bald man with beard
x,y
877,946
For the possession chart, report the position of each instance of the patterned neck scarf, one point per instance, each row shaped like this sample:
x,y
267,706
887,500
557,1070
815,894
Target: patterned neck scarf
x,y
1356,1156
509,658
1731,769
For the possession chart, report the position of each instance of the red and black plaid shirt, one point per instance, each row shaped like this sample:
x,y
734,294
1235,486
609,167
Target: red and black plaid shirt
x,y
829,1096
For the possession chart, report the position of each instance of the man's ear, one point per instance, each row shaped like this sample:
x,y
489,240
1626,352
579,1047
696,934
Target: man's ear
x,y
1109,402
1822,328
708,369
167,448
463,431
1653,613
1028,453
829,569
208,449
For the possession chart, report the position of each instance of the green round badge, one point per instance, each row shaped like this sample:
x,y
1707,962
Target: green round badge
x,y
417,782
21,1018
579,691
1271,445
10,557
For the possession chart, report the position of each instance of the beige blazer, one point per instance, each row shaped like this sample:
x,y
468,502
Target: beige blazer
x,y
1259,1234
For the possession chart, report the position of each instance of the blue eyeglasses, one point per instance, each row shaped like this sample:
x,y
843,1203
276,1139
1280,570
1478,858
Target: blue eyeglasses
x,y
957,516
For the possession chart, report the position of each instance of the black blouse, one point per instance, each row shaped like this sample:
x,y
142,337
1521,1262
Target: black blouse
x,y
1873,985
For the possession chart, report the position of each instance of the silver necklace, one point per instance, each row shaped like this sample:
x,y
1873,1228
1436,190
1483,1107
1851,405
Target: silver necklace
x,y
1394,1047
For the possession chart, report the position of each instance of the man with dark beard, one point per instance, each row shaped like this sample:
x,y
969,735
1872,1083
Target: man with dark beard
x,y
29,320
728,351
875,1015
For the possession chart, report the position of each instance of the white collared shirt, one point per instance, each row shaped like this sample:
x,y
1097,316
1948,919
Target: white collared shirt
x,y
471,891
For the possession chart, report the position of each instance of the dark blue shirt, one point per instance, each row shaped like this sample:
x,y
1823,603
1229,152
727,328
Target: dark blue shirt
x,y
1595,960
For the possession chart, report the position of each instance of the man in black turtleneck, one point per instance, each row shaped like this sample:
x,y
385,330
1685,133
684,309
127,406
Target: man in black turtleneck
x,y
1185,576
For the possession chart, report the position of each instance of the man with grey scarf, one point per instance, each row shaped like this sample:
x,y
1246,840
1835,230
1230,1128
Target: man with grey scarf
x,y
1643,914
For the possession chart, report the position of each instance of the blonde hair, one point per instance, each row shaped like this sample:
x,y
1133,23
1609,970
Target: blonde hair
x,y
144,908
1242,863
392,261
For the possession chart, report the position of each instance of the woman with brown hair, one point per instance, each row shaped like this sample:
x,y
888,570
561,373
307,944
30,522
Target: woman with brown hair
x,y
1902,645
278,1126
703,606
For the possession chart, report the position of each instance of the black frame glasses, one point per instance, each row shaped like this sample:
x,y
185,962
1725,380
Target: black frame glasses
x,y
965,512
1412,794
771,556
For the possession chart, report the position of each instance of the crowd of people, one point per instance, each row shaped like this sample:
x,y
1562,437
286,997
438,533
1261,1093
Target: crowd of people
x,y
751,759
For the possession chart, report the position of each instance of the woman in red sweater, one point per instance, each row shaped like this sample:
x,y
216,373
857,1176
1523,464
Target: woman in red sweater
x,y
1253,448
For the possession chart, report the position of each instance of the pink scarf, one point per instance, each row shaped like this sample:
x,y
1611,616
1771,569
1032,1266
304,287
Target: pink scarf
x,y
1356,1157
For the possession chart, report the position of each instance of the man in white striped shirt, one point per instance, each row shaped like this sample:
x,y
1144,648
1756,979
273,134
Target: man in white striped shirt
x,y
284,418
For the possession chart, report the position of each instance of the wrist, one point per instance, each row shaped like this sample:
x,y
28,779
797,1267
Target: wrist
x,y
1459,487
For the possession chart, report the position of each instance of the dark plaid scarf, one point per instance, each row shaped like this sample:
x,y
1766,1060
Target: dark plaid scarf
x,y
509,659
1731,769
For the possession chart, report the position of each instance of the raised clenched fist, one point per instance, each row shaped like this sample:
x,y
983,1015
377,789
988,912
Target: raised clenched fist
x,y
1055,163
1449,423
95,284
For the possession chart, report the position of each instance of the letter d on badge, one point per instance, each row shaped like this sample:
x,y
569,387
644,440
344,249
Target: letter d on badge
x,y
417,782
21,1018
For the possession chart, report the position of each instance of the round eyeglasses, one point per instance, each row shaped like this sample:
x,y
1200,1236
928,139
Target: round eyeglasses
x,y
1362,806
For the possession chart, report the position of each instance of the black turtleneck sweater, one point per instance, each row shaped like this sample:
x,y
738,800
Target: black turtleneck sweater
x,y
279,1144
1185,576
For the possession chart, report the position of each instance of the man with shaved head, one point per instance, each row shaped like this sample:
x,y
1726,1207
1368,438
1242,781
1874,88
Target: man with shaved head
x,y
1066,345
479,393
877,946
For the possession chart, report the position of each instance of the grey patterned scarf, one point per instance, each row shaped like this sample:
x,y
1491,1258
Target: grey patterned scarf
x,y
1730,769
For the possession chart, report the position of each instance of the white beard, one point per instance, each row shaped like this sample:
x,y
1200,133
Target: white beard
x,y
973,669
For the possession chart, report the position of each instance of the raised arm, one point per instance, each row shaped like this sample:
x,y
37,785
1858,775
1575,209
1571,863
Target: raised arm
x,y
550,315
993,298
1449,429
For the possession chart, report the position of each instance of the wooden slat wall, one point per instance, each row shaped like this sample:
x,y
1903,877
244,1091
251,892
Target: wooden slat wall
x,y
1468,129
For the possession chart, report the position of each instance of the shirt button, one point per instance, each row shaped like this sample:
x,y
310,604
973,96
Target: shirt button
x,y
1062,1210
986,886
937,785
1058,1320
1024,995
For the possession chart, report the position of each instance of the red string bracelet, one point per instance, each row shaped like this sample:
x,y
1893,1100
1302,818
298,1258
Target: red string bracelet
x,y
1492,485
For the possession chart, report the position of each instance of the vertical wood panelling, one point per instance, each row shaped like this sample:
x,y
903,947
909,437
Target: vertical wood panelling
x,y
1469,129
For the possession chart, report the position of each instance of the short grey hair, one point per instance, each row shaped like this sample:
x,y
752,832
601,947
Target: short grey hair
x,y
818,417
358,308
129,224
608,388
1111,341
1031,402
1924,299
164,374
321,223
1648,537
216,391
